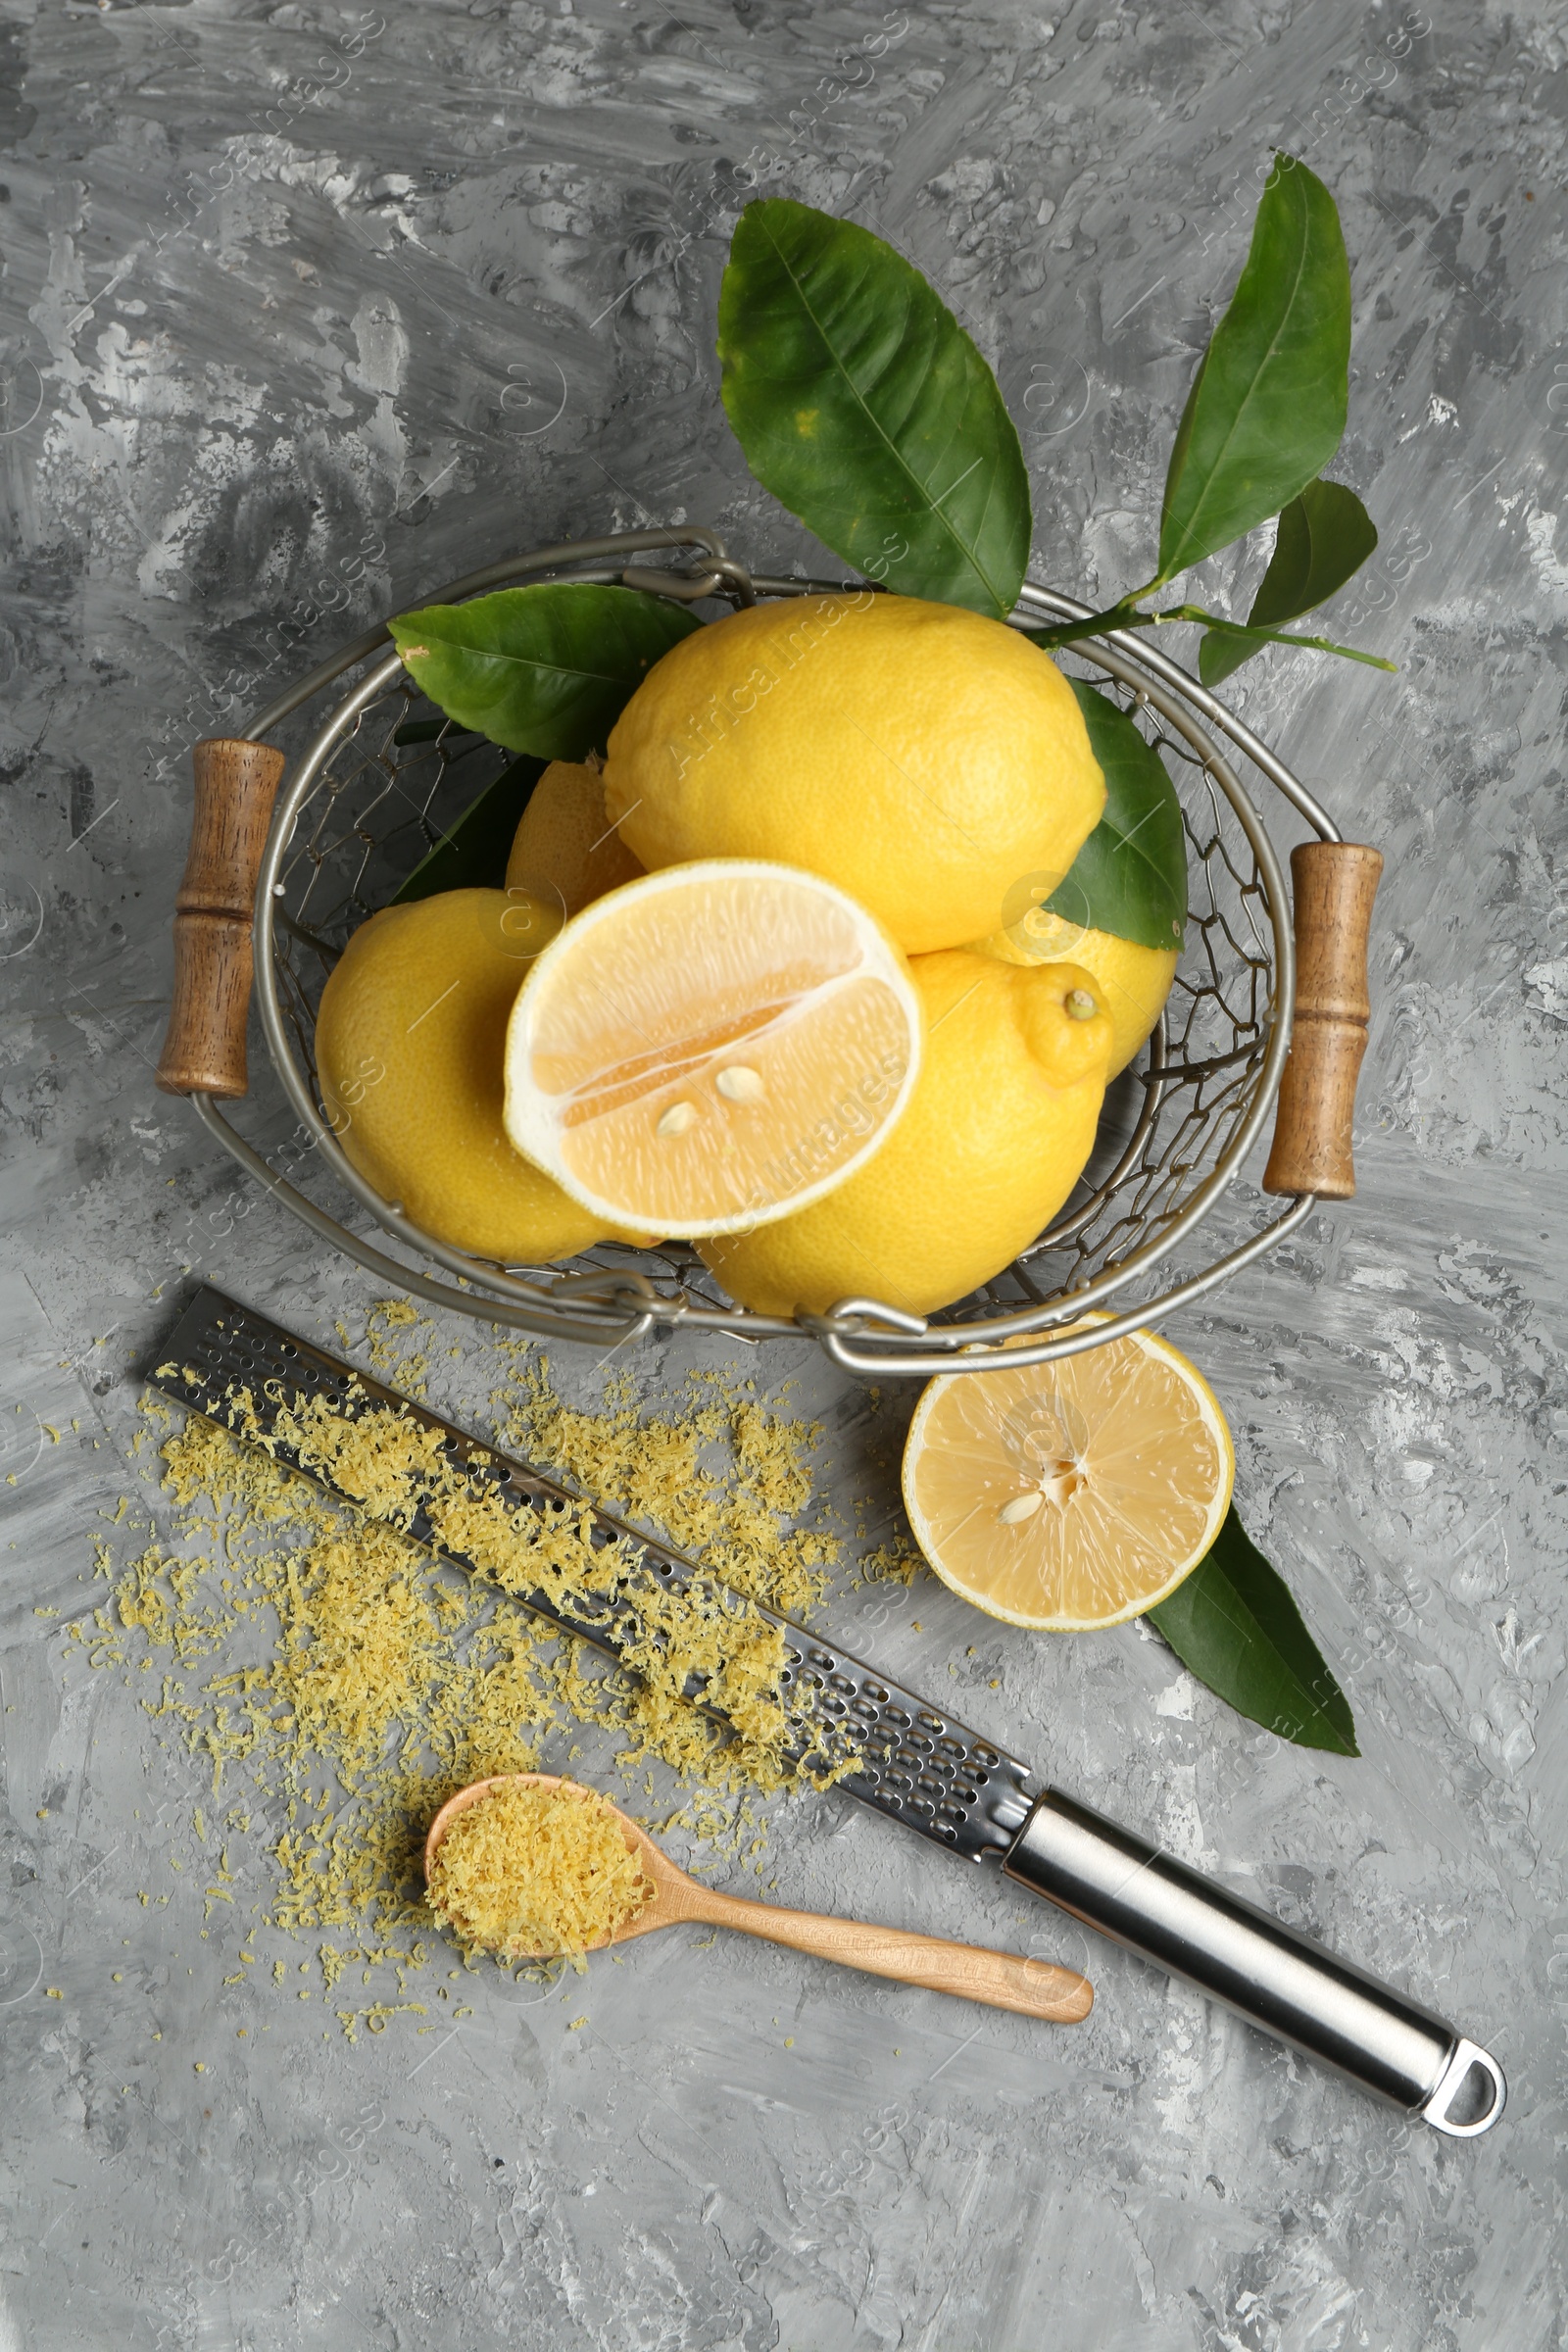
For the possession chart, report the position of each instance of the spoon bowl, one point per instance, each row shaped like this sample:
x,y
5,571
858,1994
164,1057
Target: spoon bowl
x,y
1003,1979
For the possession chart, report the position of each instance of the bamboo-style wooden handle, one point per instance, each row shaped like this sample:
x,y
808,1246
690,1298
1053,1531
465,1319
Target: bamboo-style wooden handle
x,y
1004,1979
204,1045
1334,885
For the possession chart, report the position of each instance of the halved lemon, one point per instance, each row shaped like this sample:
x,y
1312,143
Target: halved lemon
x,y
718,1043
1071,1494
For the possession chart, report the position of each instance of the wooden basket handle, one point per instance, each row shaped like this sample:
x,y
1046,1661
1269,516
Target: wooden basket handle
x,y
1334,885
204,1045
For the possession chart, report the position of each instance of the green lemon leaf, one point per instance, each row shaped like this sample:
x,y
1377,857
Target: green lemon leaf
x,y
546,669
1130,878
1267,411
864,408
1324,537
1233,1625
472,853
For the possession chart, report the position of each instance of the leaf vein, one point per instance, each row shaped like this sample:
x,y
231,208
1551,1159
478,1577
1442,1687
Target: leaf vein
x,y
969,553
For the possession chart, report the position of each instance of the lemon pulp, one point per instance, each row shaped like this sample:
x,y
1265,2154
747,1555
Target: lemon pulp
x,y
718,1043
1071,1495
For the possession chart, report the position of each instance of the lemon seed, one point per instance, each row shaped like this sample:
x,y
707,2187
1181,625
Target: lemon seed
x,y
1022,1506
676,1119
1079,1005
741,1084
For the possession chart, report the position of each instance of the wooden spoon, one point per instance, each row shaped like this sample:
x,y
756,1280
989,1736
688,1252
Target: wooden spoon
x,y
1004,1979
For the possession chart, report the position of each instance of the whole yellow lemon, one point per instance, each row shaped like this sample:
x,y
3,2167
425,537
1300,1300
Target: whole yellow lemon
x,y
920,757
564,843
1134,980
995,1137
409,1046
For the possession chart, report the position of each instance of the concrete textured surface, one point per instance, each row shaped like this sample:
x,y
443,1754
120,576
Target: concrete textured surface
x,y
307,309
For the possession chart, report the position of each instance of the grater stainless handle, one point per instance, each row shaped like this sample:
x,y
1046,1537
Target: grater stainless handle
x,y
1292,1988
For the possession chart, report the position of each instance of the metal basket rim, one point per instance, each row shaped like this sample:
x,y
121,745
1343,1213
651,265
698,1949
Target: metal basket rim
x,y
614,1306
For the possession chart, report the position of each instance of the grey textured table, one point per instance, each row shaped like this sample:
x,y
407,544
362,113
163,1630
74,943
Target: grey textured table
x,y
306,311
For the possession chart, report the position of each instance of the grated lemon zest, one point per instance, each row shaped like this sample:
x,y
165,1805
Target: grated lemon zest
x,y
537,1872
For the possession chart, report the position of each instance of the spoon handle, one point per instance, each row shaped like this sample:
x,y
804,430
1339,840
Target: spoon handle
x,y
1004,1979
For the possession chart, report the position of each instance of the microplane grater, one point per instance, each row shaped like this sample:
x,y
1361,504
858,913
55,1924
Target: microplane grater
x,y
916,1765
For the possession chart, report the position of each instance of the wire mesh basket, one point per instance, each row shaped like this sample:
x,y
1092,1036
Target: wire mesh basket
x,y
385,775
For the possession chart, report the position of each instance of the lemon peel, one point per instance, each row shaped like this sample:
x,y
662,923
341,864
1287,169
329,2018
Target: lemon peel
x,y
919,755
996,1132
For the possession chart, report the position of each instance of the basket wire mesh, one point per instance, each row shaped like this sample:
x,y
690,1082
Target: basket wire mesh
x,y
385,775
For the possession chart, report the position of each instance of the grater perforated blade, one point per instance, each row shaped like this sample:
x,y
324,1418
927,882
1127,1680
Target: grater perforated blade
x,y
911,1761
919,1766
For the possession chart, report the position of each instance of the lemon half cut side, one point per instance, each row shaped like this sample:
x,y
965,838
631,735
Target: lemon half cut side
x,y
1073,1495
719,1042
